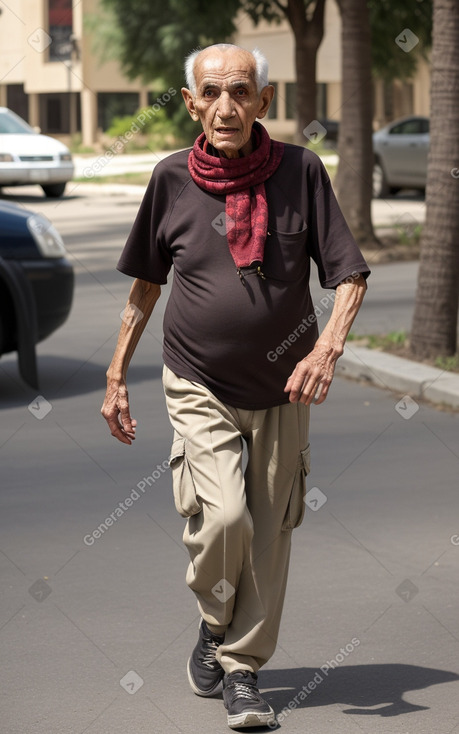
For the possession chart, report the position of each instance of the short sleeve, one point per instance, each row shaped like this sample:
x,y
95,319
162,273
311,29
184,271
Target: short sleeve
x,y
145,254
332,246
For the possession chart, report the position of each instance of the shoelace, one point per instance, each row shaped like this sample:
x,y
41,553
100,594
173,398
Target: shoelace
x,y
211,648
244,690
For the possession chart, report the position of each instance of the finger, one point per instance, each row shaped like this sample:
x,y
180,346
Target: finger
x,y
321,394
128,428
303,387
125,416
288,384
118,432
322,391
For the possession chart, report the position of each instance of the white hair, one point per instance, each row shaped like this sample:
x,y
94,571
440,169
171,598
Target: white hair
x,y
261,66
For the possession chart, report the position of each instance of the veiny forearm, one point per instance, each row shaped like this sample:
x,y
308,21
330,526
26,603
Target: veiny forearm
x,y
348,299
143,296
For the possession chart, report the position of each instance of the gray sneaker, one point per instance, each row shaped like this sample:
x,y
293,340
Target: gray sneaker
x,y
205,674
245,706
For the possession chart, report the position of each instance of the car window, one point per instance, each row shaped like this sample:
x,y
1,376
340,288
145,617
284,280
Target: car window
x,y
425,126
13,124
409,127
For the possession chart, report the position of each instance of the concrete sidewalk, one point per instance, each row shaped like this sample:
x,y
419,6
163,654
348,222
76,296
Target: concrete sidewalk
x,y
412,379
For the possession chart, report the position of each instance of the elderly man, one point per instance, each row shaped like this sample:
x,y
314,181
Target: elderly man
x,y
239,216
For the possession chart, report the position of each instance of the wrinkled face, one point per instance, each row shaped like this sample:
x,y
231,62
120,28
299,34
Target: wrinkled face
x,y
227,102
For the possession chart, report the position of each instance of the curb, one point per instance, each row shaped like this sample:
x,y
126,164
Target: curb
x,y
400,375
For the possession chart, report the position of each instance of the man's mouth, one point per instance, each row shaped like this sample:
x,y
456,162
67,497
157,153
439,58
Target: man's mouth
x,y
226,130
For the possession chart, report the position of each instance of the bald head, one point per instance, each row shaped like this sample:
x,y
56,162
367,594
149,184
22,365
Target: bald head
x,y
254,62
227,91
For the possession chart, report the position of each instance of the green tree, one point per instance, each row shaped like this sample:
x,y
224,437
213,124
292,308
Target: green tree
x,y
434,329
388,18
156,35
153,38
306,19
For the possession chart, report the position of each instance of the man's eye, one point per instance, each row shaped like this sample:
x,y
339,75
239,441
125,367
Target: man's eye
x,y
241,92
209,93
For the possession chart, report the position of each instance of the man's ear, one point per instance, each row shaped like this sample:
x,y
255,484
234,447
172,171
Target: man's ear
x,y
266,97
189,103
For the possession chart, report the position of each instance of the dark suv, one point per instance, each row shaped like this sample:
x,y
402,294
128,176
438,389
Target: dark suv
x,y
36,284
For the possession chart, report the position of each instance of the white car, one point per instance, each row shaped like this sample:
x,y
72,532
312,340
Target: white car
x,y
27,157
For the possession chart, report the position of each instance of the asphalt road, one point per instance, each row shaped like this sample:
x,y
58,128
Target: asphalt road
x,y
95,631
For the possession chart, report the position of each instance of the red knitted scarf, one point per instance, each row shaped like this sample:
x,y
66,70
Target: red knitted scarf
x,y
242,180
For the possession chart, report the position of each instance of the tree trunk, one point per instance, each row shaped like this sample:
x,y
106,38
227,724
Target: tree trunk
x,y
308,31
353,182
434,329
306,88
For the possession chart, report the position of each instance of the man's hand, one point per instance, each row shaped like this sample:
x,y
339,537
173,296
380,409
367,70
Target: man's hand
x,y
311,378
115,410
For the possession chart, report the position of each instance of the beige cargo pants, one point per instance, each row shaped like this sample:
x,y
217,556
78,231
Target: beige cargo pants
x,y
239,522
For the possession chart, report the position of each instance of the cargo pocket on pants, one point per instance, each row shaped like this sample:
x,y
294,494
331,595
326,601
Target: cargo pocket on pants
x,y
296,507
185,498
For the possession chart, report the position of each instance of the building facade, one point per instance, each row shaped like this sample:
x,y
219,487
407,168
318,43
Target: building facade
x,y
51,75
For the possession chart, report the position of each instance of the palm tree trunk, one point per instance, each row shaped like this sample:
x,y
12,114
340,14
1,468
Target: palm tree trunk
x,y
308,32
353,182
434,329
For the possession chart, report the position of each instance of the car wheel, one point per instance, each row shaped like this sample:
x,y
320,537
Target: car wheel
x,y
54,190
380,185
7,322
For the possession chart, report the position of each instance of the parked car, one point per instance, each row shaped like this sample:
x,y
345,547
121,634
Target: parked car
x,y
332,128
400,156
36,284
27,157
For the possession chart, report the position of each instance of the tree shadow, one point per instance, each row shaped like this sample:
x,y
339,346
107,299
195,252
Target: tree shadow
x,y
39,197
362,687
62,377
406,195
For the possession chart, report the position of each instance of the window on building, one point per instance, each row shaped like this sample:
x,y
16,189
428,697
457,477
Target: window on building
x,y
54,114
113,104
290,100
16,100
321,101
60,25
272,112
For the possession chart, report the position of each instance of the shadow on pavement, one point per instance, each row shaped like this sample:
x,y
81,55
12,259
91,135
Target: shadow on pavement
x,y
62,377
363,687
18,198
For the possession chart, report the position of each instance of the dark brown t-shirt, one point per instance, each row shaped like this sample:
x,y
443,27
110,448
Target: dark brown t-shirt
x,y
240,339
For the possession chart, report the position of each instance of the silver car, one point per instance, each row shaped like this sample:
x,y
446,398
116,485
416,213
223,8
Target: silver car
x,y
400,156
27,157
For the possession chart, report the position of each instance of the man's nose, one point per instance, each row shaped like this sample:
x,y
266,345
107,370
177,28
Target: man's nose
x,y
225,106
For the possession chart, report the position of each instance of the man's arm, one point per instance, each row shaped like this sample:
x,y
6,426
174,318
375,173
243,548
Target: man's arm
x,y
313,375
115,408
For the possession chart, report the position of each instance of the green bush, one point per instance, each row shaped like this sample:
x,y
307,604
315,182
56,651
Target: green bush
x,y
146,129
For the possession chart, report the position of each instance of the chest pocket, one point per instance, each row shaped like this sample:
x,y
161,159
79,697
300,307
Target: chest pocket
x,y
286,255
